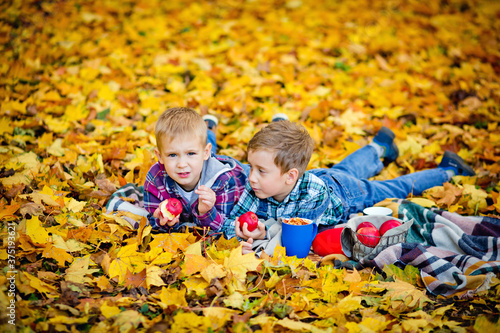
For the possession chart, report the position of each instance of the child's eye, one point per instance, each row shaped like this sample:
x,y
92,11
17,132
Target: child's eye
x,y
172,155
191,153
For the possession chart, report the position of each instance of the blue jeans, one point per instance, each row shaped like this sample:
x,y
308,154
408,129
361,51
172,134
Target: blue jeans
x,y
349,181
213,140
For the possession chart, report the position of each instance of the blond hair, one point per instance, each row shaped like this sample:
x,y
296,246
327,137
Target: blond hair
x,y
179,121
291,143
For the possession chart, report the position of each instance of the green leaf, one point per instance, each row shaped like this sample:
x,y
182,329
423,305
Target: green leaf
x,y
410,274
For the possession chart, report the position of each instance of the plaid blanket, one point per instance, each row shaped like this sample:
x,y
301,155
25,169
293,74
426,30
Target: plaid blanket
x,y
456,255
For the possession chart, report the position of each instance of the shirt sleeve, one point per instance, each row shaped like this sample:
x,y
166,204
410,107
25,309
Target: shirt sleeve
x,y
154,193
247,202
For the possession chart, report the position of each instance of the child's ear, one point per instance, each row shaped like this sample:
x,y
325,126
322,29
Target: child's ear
x,y
208,150
158,156
291,176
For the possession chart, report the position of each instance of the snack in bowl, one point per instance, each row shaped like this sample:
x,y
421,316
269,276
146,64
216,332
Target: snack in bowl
x,y
296,221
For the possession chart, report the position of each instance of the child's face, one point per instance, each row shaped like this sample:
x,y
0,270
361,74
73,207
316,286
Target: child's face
x,y
183,159
265,177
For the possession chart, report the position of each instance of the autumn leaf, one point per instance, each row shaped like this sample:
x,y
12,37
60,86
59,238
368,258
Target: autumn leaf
x,y
127,259
40,286
403,295
60,255
447,194
238,265
36,232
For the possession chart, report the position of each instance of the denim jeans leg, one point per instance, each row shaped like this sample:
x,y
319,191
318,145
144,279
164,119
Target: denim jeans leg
x,y
361,193
361,164
211,138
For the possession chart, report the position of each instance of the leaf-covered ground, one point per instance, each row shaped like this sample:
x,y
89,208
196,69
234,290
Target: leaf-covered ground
x,y
82,84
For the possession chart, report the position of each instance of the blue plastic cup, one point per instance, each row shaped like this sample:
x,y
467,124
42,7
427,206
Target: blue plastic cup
x,y
297,239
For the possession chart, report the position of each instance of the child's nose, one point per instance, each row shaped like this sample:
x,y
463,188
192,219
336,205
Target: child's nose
x,y
251,177
182,161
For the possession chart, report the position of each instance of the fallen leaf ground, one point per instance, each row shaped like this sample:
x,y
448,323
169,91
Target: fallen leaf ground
x,y
83,82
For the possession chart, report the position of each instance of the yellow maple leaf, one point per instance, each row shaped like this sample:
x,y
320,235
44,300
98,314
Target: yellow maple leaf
x,y
36,232
56,149
102,283
173,296
128,319
235,300
109,311
194,263
70,245
405,292
7,211
68,320
46,196
153,276
6,126
213,271
218,316
423,202
273,280
74,205
60,255
190,322
349,303
478,197
26,166
161,259
41,286
127,259
239,265
170,242
79,269
196,284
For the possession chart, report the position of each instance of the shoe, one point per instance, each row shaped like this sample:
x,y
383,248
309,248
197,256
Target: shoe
x,y
211,121
385,139
279,117
455,163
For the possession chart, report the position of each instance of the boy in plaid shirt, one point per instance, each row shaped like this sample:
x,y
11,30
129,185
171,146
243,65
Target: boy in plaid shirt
x,y
279,185
208,186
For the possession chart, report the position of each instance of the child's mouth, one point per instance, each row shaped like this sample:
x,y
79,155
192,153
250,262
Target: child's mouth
x,y
183,174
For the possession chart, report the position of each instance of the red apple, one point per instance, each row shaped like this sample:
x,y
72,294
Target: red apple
x,y
368,236
366,224
387,225
170,208
250,219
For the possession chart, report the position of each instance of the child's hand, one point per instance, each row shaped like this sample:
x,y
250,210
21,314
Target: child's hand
x,y
164,221
246,247
206,199
242,232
